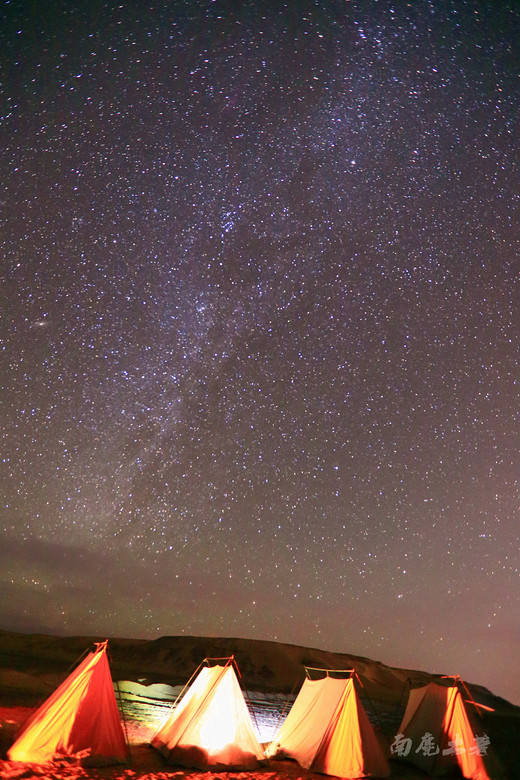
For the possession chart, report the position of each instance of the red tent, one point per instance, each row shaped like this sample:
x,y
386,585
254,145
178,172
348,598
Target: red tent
x,y
79,719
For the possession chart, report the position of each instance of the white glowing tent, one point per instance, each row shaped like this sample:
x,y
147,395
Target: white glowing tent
x,y
211,725
327,730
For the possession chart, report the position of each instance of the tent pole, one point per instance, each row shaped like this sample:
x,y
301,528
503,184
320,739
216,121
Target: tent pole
x,y
327,671
178,697
121,705
208,693
282,713
245,692
445,734
125,729
358,678
44,698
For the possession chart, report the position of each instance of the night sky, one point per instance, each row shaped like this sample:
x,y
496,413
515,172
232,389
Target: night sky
x,y
260,329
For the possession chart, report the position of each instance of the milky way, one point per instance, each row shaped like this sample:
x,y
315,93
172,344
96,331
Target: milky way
x,y
260,333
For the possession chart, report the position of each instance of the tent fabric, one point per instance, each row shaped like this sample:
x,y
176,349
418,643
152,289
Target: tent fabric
x,y
303,729
211,725
79,719
439,711
327,730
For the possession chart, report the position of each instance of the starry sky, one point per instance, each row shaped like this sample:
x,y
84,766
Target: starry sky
x,y
260,325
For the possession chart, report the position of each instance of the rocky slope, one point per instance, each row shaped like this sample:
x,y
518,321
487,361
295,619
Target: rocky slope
x,y
264,666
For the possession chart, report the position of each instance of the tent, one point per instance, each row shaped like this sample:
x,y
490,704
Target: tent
x,y
327,730
436,736
211,725
79,719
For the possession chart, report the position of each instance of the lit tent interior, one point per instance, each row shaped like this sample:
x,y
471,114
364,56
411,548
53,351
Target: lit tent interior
x,y
211,725
327,730
80,719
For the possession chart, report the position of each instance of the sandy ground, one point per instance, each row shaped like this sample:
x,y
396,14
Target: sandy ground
x,y
144,763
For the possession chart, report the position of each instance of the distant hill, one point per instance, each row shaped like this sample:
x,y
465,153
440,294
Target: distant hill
x,y
41,661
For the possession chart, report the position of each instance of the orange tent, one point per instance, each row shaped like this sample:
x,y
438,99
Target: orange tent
x,y
211,725
435,734
79,719
328,731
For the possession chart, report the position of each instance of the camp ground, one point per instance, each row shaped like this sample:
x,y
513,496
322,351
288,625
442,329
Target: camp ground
x,y
210,726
